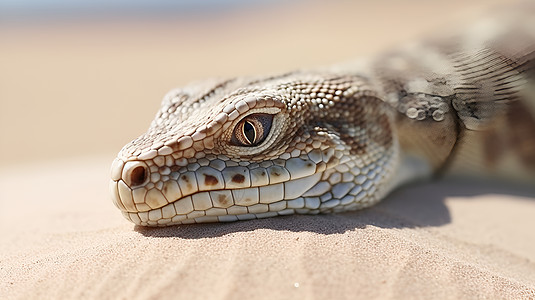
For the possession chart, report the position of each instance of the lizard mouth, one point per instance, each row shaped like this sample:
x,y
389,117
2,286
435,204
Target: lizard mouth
x,y
227,205
212,193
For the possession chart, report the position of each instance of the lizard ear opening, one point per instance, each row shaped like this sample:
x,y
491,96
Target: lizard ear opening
x,y
252,130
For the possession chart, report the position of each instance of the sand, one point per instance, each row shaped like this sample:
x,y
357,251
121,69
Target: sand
x,y
73,95
428,241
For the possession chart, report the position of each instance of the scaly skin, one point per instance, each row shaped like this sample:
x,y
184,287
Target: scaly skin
x,y
336,139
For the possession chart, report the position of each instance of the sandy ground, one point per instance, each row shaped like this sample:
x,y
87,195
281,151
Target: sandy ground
x,y
431,241
73,94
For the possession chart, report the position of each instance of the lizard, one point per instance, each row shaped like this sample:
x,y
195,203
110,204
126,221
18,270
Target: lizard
x,y
339,138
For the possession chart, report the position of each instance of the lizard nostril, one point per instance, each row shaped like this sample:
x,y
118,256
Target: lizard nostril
x,y
135,174
138,175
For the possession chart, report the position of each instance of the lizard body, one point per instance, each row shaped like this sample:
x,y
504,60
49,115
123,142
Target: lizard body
x,y
338,138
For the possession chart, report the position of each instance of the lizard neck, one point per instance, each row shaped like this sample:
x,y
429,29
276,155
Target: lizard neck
x,y
463,106
426,145
435,139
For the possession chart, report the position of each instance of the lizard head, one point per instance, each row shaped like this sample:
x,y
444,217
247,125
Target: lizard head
x,y
252,148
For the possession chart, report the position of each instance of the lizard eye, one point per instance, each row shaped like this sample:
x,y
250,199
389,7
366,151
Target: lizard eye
x,y
252,130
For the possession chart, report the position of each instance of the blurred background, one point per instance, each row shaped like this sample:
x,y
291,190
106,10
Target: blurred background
x,y
80,79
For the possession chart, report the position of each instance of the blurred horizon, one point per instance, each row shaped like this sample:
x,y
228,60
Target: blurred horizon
x,y
22,11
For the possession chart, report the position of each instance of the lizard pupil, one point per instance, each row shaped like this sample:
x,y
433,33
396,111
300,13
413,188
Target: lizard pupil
x,y
249,132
